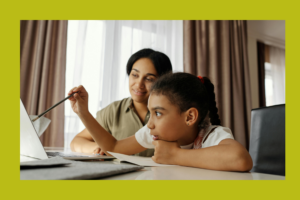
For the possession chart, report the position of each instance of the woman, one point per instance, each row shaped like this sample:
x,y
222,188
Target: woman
x,y
124,118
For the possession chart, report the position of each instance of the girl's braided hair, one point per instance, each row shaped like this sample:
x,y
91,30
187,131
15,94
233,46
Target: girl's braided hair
x,y
186,91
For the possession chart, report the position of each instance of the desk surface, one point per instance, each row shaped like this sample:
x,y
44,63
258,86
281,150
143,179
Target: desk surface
x,y
178,173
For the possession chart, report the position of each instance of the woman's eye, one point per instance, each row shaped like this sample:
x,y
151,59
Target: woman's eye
x,y
150,79
134,75
157,113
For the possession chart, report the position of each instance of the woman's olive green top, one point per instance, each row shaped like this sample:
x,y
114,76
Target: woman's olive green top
x,y
121,120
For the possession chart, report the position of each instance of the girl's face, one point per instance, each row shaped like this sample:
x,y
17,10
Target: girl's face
x,y
166,122
142,76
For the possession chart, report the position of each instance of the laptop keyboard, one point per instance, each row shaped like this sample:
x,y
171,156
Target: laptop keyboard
x,y
61,154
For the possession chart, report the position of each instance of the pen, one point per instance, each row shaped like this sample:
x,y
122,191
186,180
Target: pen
x,y
53,107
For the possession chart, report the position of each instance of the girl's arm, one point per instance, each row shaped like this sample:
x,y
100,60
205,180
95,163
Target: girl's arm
x,y
106,141
228,155
79,104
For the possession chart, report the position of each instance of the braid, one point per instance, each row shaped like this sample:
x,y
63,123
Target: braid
x,y
212,105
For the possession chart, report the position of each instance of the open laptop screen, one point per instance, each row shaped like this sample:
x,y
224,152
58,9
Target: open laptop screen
x,y
30,144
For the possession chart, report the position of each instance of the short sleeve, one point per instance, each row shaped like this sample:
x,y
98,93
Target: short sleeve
x,y
101,118
144,138
217,135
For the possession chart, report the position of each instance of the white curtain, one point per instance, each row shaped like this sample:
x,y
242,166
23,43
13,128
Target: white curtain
x,y
277,61
97,54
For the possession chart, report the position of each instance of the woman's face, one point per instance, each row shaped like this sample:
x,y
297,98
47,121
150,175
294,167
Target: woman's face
x,y
166,122
141,77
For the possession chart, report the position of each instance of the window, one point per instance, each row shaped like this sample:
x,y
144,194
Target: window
x,y
268,84
97,54
275,76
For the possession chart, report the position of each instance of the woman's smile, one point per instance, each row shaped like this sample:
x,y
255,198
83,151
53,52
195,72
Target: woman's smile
x,y
139,93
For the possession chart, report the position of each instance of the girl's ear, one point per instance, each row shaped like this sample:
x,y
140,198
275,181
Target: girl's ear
x,y
192,115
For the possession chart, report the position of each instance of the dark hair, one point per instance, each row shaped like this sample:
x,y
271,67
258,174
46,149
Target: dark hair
x,y
160,60
186,91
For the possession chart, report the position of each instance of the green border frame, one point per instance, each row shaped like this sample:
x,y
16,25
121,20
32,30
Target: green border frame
x,y
13,12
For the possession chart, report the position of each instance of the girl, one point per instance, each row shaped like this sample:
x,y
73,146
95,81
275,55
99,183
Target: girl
x,y
123,118
184,127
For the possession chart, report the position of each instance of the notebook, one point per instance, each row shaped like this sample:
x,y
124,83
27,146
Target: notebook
x,y
138,160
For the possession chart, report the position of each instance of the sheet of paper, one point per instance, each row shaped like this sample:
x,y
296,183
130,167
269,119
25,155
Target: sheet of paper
x,y
40,124
138,160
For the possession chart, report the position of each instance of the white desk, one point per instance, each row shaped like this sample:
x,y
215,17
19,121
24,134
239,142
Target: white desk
x,y
178,173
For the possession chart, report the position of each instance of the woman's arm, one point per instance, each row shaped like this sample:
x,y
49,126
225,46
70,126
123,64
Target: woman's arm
x,y
228,155
103,139
106,141
83,142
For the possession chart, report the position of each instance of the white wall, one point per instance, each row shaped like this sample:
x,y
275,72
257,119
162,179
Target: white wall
x,y
271,32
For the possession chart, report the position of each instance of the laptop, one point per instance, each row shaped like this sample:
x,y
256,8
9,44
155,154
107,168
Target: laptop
x,y
31,146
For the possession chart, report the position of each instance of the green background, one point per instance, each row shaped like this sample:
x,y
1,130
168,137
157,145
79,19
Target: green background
x,y
14,11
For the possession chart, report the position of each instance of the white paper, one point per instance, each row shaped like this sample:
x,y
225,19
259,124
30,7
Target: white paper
x,y
40,124
138,160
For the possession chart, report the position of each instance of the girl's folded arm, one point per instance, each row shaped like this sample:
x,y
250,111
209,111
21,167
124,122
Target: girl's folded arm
x,y
106,141
228,155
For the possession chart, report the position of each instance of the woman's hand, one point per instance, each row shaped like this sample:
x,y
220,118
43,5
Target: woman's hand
x,y
79,101
165,152
98,151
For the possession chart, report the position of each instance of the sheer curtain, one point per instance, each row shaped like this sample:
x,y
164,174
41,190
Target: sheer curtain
x,y
97,54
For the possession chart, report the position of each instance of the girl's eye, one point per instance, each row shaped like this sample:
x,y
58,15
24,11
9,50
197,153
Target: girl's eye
x,y
134,75
158,114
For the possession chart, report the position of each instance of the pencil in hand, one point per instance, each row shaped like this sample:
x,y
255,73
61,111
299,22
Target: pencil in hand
x,y
53,107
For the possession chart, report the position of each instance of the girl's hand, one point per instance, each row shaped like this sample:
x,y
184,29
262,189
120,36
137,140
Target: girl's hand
x,y
165,152
79,101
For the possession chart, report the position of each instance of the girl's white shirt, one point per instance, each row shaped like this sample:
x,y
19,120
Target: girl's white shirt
x,y
218,134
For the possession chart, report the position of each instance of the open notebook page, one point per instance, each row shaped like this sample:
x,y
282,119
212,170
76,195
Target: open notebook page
x,y
138,160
